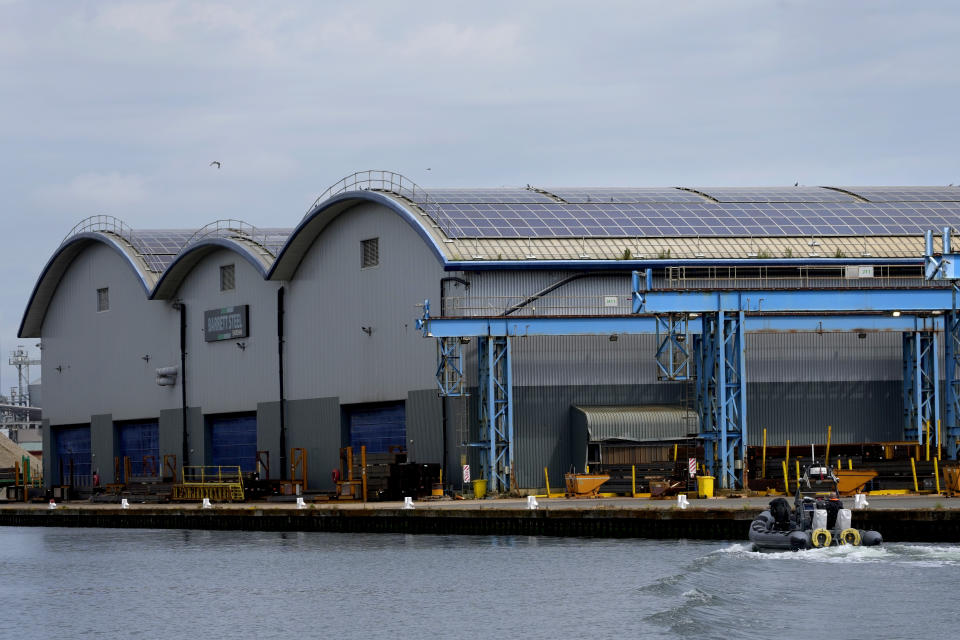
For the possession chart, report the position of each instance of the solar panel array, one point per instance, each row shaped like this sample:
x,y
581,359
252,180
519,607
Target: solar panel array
x,y
160,247
511,220
621,195
466,196
783,194
907,194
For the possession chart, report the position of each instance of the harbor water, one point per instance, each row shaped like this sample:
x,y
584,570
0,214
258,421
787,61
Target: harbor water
x,y
120,583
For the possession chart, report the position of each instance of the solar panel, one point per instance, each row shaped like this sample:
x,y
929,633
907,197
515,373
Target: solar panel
x,y
684,220
775,194
906,194
624,195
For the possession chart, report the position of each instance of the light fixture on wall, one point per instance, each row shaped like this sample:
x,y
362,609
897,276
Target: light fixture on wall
x,y
367,330
242,346
613,337
145,358
896,314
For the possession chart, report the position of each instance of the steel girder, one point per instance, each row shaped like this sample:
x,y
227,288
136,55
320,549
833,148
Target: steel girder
x,y
495,384
722,394
450,367
673,351
921,389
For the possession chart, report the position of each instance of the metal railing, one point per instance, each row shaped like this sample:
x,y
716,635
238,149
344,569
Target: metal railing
x,y
111,224
549,305
233,230
802,277
392,182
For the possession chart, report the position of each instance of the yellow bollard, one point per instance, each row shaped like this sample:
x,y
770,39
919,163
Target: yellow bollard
x,y
674,452
786,479
826,458
798,475
936,474
633,477
913,465
850,464
938,439
763,468
839,463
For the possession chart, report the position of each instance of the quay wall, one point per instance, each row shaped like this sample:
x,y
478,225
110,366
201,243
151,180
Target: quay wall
x,y
896,525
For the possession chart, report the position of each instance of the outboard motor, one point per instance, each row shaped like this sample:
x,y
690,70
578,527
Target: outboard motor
x,y
780,510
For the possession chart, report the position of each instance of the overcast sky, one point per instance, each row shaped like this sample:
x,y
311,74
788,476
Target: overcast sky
x,y
119,107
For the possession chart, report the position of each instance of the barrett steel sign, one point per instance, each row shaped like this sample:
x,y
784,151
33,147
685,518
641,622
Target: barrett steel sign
x,y
226,323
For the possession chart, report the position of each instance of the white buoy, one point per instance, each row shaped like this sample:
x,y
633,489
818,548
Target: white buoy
x,y
206,503
532,503
408,503
301,504
53,505
860,501
682,501
124,504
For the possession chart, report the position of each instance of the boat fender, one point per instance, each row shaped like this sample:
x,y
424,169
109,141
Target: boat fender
x,y
821,538
849,536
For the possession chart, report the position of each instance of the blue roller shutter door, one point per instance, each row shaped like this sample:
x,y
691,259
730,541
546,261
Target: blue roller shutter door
x,y
72,444
379,427
138,440
233,442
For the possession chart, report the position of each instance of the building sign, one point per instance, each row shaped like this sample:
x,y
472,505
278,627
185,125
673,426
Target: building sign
x,y
226,323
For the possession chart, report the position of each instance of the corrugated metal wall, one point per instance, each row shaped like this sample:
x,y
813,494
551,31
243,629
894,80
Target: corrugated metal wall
x,y
424,427
105,362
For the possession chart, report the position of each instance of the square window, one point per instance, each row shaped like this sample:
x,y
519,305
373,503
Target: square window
x,y
228,278
370,253
103,299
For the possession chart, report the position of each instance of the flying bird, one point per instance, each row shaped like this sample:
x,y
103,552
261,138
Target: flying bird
x,y
796,184
215,162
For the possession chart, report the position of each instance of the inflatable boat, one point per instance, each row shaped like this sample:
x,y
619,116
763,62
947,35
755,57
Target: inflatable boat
x,y
818,518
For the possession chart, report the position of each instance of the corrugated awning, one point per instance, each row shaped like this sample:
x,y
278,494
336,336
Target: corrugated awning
x,y
637,423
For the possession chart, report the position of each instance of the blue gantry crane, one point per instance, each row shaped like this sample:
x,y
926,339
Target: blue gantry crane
x,y
701,335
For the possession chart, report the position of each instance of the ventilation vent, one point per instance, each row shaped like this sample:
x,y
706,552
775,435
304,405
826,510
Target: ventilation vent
x,y
103,299
371,253
228,278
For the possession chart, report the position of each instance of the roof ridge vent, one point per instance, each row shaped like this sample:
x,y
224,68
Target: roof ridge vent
x,y
855,196
699,193
552,196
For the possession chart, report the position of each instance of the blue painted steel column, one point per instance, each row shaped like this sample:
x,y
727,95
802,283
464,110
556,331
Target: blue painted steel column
x,y
921,385
496,410
951,349
722,397
742,370
673,357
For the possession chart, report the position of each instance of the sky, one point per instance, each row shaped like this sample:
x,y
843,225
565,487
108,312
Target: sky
x,y
118,108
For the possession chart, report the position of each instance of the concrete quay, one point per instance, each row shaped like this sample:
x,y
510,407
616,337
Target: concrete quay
x,y
897,518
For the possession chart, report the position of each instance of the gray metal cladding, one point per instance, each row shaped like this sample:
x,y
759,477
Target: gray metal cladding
x,y
812,357
857,411
587,360
424,427
331,300
98,362
315,425
636,424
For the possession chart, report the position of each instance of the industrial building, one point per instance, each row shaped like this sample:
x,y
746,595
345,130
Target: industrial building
x,y
522,328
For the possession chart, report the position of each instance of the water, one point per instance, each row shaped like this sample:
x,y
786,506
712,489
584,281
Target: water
x,y
112,583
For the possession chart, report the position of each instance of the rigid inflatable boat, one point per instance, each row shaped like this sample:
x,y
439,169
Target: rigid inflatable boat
x,y
818,518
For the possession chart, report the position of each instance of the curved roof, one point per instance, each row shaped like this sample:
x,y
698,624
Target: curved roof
x,y
555,227
324,212
60,261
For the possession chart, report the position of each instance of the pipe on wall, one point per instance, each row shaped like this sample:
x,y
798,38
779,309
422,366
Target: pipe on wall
x,y
281,293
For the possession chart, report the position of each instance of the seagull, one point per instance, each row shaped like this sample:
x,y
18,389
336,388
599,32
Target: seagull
x,y
215,162
428,168
796,184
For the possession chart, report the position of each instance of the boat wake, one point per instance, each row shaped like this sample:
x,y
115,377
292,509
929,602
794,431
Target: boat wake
x,y
899,553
